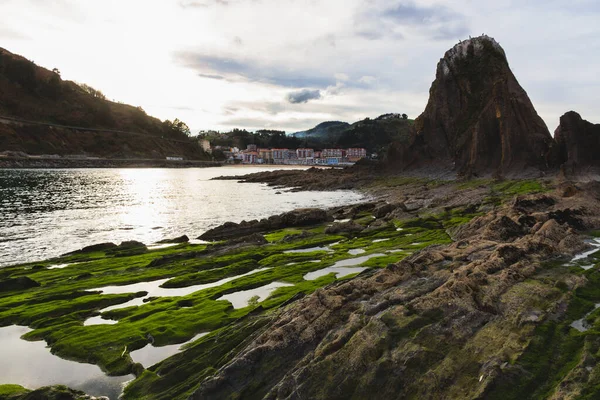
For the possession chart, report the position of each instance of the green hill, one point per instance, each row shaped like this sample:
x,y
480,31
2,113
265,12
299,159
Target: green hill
x,y
105,128
373,134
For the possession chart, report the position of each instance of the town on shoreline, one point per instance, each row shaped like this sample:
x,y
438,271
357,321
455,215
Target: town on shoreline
x,y
283,156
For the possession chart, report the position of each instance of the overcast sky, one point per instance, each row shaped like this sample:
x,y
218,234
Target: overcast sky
x,y
290,64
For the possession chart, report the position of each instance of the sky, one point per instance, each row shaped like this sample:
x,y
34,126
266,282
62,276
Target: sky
x,y
291,64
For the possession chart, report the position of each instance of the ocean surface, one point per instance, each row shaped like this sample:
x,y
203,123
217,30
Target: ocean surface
x,y
46,213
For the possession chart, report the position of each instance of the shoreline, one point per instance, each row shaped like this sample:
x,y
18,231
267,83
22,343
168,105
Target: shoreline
x,y
60,163
74,163
415,249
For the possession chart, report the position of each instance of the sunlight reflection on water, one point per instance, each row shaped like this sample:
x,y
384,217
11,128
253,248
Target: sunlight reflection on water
x,y
45,213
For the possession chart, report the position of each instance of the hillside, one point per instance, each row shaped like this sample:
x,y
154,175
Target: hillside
x,y
373,134
32,93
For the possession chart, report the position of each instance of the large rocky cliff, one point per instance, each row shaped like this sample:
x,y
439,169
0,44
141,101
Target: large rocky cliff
x,y
478,119
578,142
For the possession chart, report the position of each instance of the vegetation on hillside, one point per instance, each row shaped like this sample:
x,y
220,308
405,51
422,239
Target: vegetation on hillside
x,y
241,138
32,93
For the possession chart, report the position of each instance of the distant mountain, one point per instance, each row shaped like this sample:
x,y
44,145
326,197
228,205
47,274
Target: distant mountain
x,y
323,131
373,134
32,93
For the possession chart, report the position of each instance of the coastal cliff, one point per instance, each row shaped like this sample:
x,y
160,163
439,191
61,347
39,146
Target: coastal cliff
x,y
478,118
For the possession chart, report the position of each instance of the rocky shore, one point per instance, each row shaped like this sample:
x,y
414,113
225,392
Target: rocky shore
x,y
454,321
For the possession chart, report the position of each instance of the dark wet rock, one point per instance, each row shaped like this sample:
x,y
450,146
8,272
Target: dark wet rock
x,y
503,229
344,227
180,239
93,248
527,221
255,239
20,283
304,217
533,202
295,218
128,248
569,217
384,209
578,142
130,244
478,119
416,204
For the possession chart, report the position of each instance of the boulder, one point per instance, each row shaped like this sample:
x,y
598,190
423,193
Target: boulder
x,y
20,283
180,239
304,217
344,227
93,248
131,244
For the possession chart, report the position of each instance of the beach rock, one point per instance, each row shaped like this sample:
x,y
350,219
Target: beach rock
x,y
180,239
20,283
296,218
130,244
128,248
344,227
304,217
384,209
92,248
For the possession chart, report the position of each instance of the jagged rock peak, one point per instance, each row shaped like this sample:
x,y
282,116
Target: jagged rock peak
x,y
473,46
478,119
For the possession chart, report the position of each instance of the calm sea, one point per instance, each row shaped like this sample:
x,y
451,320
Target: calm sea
x,y
45,213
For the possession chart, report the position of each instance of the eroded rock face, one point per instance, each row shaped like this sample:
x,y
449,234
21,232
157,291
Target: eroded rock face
x,y
578,141
478,119
443,323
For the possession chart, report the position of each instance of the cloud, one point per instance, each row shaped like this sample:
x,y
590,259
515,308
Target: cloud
x,y
367,80
211,76
7,33
303,96
378,20
232,69
202,4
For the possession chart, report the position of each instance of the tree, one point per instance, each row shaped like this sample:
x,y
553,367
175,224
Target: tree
x,y
404,116
91,91
177,127
181,127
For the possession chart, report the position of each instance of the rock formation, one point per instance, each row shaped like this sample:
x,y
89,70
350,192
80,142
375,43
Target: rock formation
x,y
478,118
448,322
297,217
578,141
